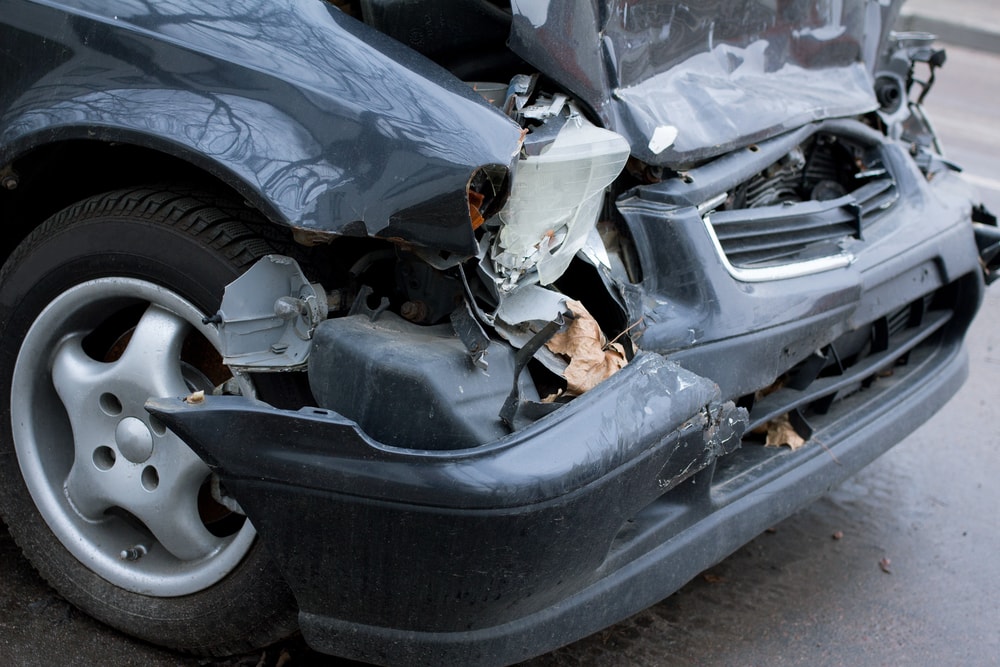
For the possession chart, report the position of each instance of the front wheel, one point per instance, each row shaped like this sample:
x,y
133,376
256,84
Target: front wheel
x,y
101,308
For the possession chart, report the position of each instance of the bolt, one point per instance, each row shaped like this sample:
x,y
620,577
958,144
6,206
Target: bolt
x,y
9,182
415,311
288,307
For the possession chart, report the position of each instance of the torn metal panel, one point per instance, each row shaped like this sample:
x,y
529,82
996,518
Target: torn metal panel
x,y
686,81
335,127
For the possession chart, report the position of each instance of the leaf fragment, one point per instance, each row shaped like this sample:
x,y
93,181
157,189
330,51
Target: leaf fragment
x,y
591,358
781,432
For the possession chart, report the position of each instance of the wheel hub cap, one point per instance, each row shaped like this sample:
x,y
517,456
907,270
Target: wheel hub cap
x,y
135,442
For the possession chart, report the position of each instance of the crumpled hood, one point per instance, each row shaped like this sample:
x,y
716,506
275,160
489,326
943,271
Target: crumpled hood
x,y
684,81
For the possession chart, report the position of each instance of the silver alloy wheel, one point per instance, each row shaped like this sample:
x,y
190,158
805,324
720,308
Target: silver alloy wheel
x,y
123,494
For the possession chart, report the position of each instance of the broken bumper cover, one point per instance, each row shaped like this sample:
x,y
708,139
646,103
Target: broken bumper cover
x,y
435,548
494,555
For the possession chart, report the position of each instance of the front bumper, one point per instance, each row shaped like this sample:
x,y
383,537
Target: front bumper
x,y
435,544
403,557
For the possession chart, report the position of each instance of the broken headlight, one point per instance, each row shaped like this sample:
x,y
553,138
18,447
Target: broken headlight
x,y
556,195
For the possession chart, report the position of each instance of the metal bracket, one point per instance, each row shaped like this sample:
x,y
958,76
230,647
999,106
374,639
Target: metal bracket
x,y
268,316
471,333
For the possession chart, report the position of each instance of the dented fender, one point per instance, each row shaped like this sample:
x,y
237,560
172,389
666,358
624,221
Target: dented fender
x,y
334,128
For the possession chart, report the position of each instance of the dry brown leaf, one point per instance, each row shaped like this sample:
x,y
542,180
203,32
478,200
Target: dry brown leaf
x,y
583,343
553,397
780,432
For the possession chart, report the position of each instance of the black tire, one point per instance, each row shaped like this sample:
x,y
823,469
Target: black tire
x,y
88,304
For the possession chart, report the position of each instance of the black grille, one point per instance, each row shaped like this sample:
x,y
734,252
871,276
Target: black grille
x,y
852,363
792,232
806,204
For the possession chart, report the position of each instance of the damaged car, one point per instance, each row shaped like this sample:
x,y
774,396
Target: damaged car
x,y
452,332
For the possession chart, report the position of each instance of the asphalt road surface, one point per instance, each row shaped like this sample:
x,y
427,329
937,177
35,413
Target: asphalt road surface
x,y
897,566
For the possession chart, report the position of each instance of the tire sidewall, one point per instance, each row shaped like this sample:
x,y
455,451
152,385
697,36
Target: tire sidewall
x,y
81,244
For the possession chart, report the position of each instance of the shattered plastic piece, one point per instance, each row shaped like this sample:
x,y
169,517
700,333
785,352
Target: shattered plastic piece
x,y
591,359
195,398
663,138
554,108
524,312
781,432
475,205
555,201
267,316
531,302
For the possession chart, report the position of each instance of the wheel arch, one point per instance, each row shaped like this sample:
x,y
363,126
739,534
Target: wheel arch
x,y
74,165
319,121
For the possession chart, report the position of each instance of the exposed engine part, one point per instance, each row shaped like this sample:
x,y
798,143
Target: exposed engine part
x,y
890,92
779,182
797,217
894,87
823,168
431,295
